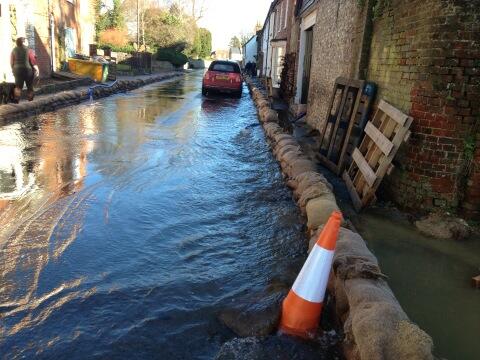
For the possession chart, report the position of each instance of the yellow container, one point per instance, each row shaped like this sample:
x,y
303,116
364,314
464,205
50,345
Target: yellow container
x,y
88,68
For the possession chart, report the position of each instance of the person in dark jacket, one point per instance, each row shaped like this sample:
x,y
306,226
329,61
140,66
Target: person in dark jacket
x,y
24,67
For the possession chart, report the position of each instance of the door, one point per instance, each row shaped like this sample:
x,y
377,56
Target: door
x,y
70,43
307,65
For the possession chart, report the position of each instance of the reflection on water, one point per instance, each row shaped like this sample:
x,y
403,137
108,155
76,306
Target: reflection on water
x,y
127,224
431,279
43,166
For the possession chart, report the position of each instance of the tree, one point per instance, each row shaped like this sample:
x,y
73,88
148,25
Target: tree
x,y
244,38
110,19
235,42
169,28
206,43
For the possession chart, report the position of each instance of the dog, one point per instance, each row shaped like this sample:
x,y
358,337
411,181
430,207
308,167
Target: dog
x,y
7,93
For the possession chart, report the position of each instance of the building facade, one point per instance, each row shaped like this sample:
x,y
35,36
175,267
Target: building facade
x,y
56,30
274,39
250,51
424,57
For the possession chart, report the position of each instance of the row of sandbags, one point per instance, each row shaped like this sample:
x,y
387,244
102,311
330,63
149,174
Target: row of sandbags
x,y
52,102
313,193
374,324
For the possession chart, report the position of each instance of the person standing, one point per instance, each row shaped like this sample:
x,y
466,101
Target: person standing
x,y
24,67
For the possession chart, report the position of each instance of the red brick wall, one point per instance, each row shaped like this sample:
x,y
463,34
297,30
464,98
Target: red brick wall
x,y
425,57
42,38
79,16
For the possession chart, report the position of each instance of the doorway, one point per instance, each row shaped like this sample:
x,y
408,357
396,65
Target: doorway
x,y
307,65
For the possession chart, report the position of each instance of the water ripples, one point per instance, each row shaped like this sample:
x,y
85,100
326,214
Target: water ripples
x,y
150,212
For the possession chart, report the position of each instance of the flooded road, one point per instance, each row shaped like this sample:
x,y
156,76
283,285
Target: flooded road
x,y
127,224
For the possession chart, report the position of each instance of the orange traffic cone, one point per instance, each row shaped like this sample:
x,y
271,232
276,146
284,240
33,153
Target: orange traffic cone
x,y
303,306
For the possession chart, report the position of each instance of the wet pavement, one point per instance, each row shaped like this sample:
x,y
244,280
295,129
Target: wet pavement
x,y
127,224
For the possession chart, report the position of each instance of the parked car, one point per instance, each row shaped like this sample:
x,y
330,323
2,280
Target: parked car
x,y
223,76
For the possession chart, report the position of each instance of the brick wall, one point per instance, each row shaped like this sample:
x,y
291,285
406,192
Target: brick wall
x,y
337,44
79,15
425,57
42,37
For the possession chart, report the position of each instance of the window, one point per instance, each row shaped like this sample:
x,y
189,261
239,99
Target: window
x,y
224,67
286,14
280,17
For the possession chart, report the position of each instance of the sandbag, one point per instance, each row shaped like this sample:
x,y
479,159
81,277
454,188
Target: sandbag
x,y
319,210
291,156
271,116
313,192
300,166
353,259
288,149
272,129
379,326
287,141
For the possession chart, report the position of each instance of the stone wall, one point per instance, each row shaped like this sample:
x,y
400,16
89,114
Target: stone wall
x,y
337,44
425,57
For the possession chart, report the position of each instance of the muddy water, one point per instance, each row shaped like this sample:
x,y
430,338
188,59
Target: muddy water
x,y
126,225
431,279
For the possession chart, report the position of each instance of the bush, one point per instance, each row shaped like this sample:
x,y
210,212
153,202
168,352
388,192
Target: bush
x,y
125,49
115,37
176,58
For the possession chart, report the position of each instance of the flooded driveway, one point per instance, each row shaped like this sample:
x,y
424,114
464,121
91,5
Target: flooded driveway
x,y
127,224
431,279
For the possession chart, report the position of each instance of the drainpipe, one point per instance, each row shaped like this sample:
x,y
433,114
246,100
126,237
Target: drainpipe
x,y
52,43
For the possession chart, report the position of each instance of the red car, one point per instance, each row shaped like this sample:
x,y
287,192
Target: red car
x,y
223,76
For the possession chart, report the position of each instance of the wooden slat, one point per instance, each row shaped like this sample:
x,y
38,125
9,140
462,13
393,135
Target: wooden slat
x,y
357,202
380,140
366,170
393,112
328,139
341,161
379,153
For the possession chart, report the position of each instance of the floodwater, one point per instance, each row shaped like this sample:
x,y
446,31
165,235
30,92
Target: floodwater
x,y
431,278
126,225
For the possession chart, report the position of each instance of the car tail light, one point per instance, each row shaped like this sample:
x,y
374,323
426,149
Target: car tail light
x,y
208,75
238,78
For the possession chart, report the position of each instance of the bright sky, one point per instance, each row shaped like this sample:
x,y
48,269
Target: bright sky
x,y
227,18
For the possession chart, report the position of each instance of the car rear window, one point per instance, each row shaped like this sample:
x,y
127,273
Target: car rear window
x,y
225,67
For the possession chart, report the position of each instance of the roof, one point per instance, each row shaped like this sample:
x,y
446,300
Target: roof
x,y
253,37
272,7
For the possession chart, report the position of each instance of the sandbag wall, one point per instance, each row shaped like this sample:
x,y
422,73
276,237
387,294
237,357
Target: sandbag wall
x,y
66,98
373,322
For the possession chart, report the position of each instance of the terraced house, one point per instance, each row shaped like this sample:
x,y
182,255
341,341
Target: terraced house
x,y
424,58
274,39
55,29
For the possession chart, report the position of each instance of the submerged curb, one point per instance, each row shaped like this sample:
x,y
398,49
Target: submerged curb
x,y
66,98
373,322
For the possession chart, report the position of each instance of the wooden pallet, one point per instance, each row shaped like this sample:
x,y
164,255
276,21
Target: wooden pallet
x,y
342,114
373,159
361,120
